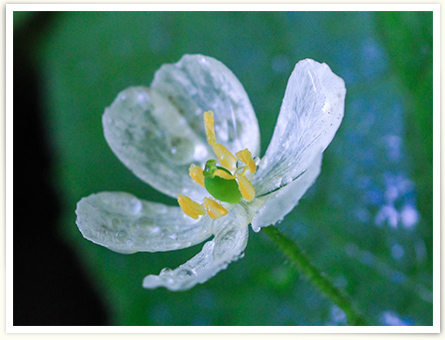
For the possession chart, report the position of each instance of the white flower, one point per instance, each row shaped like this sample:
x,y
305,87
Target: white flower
x,y
158,132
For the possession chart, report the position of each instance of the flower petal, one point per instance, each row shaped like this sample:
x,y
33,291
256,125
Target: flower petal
x,y
150,136
126,224
197,84
158,132
227,246
281,202
310,115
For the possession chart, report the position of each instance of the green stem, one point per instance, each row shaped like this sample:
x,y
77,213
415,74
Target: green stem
x,y
317,278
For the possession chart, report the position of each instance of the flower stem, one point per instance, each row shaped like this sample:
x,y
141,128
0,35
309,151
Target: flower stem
x,y
318,279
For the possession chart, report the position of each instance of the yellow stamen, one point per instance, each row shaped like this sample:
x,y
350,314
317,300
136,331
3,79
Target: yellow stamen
x,y
190,207
210,127
195,173
246,188
246,157
226,159
223,174
214,209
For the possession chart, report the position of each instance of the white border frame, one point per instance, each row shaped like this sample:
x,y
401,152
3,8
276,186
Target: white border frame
x,y
10,8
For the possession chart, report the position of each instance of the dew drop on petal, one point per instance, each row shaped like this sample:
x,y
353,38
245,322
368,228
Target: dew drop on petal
x,y
122,236
182,150
165,271
240,170
142,226
183,272
103,230
154,230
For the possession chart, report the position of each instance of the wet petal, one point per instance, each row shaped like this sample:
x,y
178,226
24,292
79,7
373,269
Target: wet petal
x,y
197,84
227,246
158,132
126,224
155,141
310,115
281,202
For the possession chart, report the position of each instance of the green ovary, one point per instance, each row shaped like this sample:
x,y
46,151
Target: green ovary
x,y
225,190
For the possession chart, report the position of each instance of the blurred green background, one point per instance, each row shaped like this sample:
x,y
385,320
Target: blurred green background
x,y
367,221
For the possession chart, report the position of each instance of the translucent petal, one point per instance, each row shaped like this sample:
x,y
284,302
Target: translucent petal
x,y
281,202
310,115
227,246
126,224
155,141
197,84
158,132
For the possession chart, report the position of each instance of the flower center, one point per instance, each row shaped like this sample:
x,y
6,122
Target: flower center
x,y
228,182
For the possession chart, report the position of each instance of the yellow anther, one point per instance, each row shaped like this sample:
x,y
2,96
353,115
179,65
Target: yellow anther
x,y
246,157
226,159
214,209
195,173
223,174
246,188
210,127
190,207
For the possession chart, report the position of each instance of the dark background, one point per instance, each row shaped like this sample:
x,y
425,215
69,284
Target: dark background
x,y
50,287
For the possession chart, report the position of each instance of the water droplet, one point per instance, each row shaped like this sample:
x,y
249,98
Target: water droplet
x,y
186,244
107,117
141,227
122,236
143,98
239,170
103,230
165,271
135,206
183,272
154,230
182,150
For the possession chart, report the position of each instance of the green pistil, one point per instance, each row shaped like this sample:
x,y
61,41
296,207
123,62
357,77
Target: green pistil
x,y
225,190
